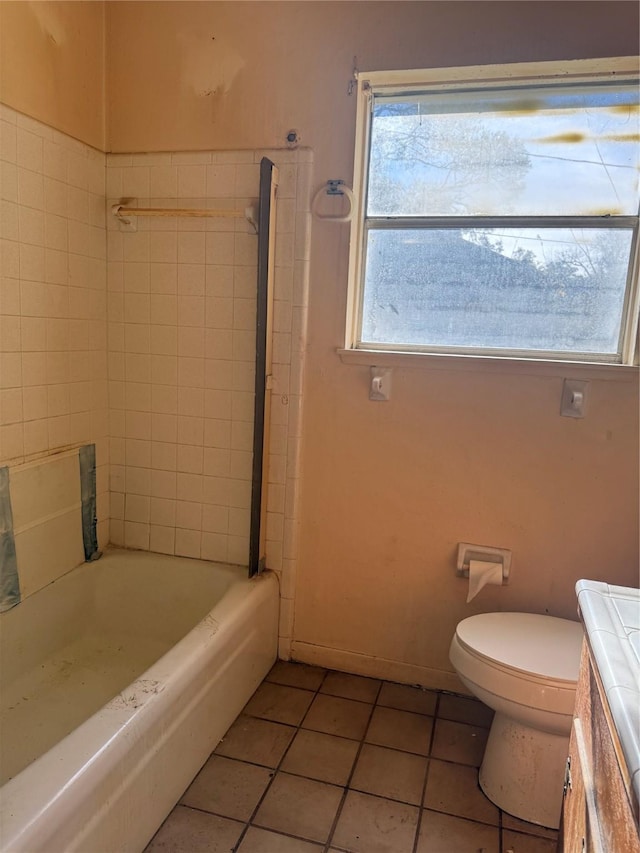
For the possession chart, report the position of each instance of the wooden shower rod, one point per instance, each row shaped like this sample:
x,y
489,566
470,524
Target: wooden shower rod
x,y
123,213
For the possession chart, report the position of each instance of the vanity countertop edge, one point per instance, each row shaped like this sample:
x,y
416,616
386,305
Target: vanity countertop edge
x,y
611,618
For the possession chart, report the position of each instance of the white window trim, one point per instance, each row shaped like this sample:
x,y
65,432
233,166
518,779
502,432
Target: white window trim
x,y
575,71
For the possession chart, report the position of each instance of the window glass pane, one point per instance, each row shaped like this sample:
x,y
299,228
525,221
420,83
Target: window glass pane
x,y
521,152
553,290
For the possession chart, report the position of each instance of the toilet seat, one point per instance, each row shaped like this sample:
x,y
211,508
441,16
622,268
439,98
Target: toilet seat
x,y
539,648
491,653
525,667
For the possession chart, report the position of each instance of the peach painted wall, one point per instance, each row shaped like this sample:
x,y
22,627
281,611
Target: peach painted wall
x,y
477,454
52,65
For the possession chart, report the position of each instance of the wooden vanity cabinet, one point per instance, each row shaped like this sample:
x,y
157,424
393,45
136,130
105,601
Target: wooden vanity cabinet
x,y
599,815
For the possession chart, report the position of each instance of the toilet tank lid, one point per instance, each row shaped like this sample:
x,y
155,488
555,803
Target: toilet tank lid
x,y
544,645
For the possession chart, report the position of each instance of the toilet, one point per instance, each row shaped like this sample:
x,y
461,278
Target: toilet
x,y
525,667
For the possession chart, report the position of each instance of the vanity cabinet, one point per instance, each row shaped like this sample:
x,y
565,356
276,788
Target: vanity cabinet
x,y
600,810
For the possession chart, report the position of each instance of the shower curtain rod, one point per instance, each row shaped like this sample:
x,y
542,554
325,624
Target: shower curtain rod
x,y
124,213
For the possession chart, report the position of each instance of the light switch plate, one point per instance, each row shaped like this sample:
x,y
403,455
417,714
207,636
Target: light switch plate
x,y
380,383
574,398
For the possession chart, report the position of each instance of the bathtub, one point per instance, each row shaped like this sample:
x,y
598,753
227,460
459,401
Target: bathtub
x,y
119,680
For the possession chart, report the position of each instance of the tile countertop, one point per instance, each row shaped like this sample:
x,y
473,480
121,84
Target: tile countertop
x,y
611,616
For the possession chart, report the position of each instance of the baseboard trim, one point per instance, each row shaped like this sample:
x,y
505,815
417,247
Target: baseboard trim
x,y
375,667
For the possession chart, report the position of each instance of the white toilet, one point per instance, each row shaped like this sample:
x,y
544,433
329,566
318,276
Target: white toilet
x,y
525,667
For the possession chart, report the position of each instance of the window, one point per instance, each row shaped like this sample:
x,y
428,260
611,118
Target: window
x,y
497,211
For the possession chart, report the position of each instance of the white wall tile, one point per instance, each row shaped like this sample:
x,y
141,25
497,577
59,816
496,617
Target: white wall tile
x,y
192,181
191,278
220,249
29,150
36,437
163,247
10,370
238,550
163,181
247,181
163,484
162,539
245,251
182,347
8,142
136,182
191,248
215,547
136,535
138,481
191,157
215,519
219,313
187,542
163,277
10,334
8,181
9,297
163,512
136,509
274,555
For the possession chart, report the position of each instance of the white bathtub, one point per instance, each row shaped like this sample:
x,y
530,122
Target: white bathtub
x,y
119,680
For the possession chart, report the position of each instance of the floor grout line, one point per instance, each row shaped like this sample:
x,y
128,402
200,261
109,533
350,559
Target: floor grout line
x,y
347,786
276,769
432,737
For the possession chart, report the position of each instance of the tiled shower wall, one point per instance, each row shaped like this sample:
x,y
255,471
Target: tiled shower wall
x,y
181,310
179,295
53,301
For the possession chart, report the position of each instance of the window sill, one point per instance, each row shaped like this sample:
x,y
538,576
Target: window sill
x,y
489,364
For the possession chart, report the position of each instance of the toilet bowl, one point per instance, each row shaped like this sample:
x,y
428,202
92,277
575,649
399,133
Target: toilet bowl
x,y
525,667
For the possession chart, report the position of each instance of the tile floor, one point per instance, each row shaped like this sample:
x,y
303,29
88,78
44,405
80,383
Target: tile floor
x,y
323,761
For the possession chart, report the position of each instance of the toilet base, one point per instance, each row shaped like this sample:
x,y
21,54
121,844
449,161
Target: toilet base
x,y
523,771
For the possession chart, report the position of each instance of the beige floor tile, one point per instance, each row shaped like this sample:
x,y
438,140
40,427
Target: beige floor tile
x,y
400,730
336,716
441,833
515,842
406,698
296,675
300,807
263,841
463,710
279,703
197,832
320,756
227,787
373,825
259,741
389,773
454,789
510,822
459,742
351,686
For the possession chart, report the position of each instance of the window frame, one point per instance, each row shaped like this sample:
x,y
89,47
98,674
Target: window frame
x,y
477,77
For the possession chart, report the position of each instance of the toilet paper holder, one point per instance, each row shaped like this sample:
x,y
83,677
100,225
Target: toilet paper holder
x,y
485,553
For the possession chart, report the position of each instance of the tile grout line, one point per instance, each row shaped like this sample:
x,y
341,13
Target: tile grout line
x,y
276,769
436,714
347,786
